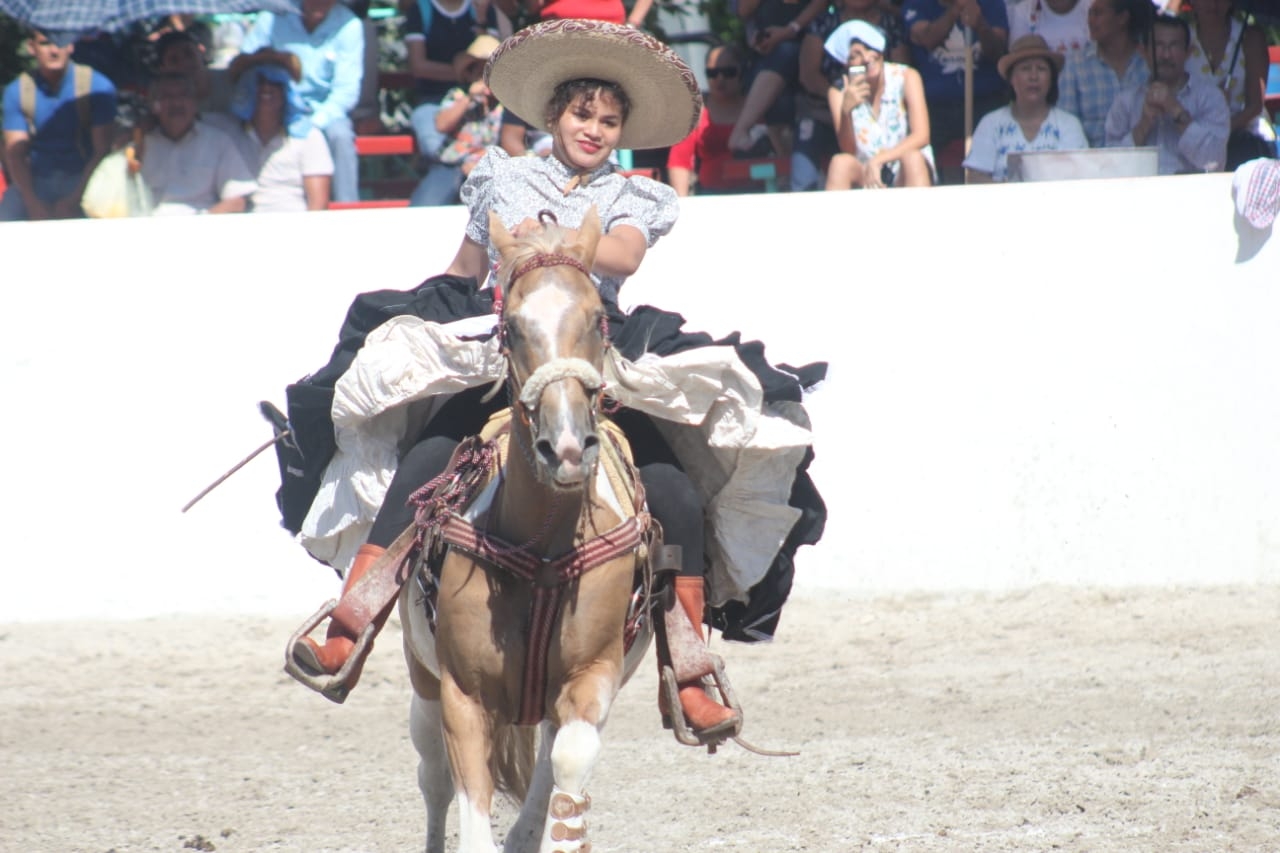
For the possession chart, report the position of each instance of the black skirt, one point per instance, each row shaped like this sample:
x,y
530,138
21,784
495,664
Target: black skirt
x,y
446,298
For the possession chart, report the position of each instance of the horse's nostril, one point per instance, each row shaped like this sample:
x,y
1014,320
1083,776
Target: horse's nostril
x,y
545,450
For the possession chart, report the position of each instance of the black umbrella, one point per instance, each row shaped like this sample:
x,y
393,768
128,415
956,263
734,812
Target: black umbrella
x,y
77,16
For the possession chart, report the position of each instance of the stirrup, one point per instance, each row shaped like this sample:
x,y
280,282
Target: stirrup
x,y
717,734
332,687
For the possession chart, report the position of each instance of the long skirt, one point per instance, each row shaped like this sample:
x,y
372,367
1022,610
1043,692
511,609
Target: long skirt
x,y
734,423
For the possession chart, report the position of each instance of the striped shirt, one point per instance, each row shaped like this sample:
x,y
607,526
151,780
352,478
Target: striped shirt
x,y
1088,86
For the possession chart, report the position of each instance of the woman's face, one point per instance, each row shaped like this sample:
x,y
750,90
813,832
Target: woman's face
x,y
724,74
1104,21
871,60
587,131
270,98
1031,80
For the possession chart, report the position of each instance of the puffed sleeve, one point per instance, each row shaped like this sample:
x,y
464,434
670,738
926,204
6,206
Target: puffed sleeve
x,y
646,204
477,192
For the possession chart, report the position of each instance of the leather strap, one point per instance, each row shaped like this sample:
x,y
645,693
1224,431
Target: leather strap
x,y
374,593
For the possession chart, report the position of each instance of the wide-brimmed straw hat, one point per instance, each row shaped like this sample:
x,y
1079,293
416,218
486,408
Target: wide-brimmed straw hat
x,y
525,69
1025,48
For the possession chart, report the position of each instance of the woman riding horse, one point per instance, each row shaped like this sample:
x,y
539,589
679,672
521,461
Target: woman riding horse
x,y
596,87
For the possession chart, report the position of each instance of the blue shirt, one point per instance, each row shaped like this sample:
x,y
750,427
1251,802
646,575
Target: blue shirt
x,y
1088,86
1202,144
942,68
59,144
332,58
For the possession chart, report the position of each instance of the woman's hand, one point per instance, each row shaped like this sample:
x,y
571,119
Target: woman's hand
x,y
857,91
871,174
527,227
769,38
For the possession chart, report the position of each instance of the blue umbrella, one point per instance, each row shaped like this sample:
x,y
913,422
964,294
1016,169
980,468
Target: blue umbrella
x,y
76,16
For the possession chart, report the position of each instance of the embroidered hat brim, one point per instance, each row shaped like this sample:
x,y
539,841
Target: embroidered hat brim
x,y
665,102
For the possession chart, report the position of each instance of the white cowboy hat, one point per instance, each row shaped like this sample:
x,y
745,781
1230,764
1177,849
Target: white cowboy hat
x,y
665,103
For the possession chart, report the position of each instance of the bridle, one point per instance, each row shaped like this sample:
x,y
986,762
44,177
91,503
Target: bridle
x,y
526,394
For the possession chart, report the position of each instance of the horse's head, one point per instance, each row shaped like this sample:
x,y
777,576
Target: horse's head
x,y
554,331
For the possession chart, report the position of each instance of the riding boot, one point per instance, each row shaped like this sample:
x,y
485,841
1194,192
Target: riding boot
x,y
340,640
700,709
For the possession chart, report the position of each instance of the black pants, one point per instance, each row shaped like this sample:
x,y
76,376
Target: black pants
x,y
672,498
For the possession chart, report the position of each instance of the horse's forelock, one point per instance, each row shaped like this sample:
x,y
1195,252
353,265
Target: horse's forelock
x,y
551,240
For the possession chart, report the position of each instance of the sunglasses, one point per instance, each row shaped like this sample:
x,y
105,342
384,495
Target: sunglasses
x,y
728,73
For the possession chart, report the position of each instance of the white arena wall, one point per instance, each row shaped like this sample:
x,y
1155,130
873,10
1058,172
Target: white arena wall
x,y
1070,383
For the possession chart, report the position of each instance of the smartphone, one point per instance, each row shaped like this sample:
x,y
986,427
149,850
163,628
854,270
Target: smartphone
x,y
855,70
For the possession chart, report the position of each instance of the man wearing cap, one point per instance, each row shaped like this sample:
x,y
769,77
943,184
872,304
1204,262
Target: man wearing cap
x,y
57,127
328,39
1185,117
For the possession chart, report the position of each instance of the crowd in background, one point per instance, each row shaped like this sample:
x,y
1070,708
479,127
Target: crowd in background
x,y
262,113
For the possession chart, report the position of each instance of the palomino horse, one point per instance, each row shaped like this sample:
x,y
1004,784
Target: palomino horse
x,y
533,593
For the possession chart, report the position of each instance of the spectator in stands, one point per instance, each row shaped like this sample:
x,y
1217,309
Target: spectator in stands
x,y
880,116
328,40
1111,61
706,149
288,157
774,28
1234,56
814,135
1184,116
470,120
57,127
437,35
189,166
180,52
1063,24
1030,122
939,31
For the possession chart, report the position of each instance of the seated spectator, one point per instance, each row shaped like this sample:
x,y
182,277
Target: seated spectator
x,y
189,166
880,116
706,149
288,157
1111,61
180,52
1234,56
939,31
1030,122
470,120
1063,24
814,135
1184,116
437,35
774,28
328,40
58,122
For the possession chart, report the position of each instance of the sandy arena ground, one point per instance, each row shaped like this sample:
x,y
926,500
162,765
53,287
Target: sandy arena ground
x,y
1099,720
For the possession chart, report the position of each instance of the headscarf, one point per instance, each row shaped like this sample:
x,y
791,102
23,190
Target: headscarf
x,y
245,100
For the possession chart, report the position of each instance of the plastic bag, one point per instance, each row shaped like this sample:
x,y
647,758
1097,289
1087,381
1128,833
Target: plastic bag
x,y
116,189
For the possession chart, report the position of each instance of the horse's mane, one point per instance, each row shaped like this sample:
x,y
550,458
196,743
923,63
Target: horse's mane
x,y
551,240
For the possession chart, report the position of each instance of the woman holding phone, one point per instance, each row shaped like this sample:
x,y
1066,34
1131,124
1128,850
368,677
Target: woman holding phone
x,y
879,113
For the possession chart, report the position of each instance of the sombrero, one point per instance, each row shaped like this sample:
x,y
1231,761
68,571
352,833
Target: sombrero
x,y
665,103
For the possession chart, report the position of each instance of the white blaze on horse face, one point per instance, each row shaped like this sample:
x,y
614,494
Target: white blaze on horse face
x,y
542,314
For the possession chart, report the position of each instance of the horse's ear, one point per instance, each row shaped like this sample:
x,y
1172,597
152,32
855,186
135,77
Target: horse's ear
x,y
499,235
589,236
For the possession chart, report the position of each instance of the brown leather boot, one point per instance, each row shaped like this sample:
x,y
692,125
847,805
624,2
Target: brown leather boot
x,y
700,710
339,641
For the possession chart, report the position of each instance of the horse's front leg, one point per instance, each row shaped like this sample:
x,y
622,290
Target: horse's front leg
x,y
468,736
526,833
582,707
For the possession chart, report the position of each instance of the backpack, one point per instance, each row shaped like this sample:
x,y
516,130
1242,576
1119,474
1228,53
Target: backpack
x,y
83,79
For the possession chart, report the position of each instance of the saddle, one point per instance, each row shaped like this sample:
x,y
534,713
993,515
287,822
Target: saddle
x,y
450,504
